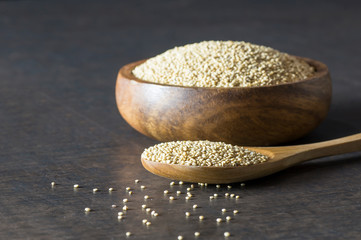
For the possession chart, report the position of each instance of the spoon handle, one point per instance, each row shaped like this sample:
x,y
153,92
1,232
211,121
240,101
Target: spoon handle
x,y
329,148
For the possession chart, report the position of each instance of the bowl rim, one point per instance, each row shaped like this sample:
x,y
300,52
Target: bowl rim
x,y
321,70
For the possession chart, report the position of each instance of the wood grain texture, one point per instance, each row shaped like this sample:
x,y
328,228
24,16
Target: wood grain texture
x,y
280,159
254,116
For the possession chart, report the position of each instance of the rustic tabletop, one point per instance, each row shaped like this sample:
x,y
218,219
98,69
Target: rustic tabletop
x,y
59,122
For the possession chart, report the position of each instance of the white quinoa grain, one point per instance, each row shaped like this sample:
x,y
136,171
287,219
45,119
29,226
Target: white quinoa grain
x,y
202,153
146,197
144,221
148,223
125,208
196,234
224,210
128,234
52,184
187,214
125,200
180,237
136,180
120,213
120,217
218,186
219,220
171,183
180,182
144,206
201,217
171,198
223,64
195,206
111,189
87,209
228,218
127,188
95,190
142,187
227,234
76,185
235,211
114,206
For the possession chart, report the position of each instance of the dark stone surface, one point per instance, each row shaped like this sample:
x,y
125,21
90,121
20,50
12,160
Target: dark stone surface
x,y
59,121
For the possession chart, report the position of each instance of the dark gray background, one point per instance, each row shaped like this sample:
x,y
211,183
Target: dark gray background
x,y
59,121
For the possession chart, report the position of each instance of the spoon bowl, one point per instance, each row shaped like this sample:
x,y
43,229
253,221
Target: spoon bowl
x,y
248,116
280,158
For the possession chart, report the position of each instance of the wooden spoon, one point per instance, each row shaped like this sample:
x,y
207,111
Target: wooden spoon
x,y
280,158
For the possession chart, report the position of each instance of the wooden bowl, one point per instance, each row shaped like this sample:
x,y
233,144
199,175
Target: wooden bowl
x,y
250,116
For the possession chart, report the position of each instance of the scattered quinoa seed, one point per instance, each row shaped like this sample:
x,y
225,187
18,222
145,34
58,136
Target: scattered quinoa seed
x,y
127,188
52,184
120,213
229,186
243,184
180,183
95,190
130,192
136,180
235,211
146,197
228,218
142,187
114,206
144,206
237,196
180,237
125,208
87,209
195,206
120,217
171,198
125,200
128,234
187,214
218,186
224,210
196,234
110,189
171,183
144,221
201,217
179,192
76,185
148,223
219,220
227,234
232,195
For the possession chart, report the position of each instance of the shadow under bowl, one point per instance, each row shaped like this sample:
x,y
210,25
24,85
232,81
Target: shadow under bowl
x,y
248,116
